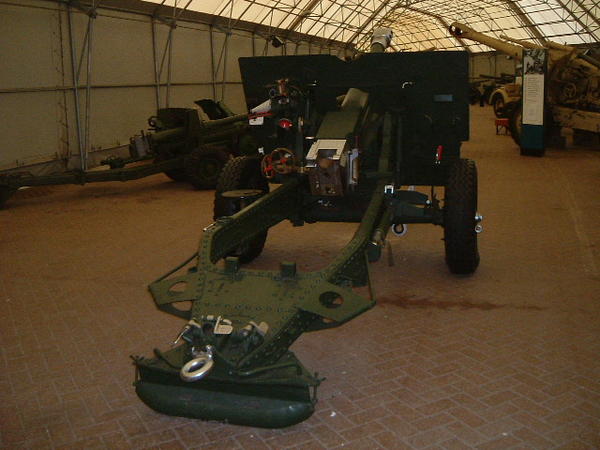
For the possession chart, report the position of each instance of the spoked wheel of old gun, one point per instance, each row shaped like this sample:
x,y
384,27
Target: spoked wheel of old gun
x,y
461,221
241,174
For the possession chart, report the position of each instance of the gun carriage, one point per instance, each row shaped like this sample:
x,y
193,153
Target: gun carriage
x,y
343,140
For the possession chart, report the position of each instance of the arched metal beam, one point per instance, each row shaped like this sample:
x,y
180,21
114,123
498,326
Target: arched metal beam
x,y
437,17
441,20
529,25
574,16
371,18
303,15
589,13
584,8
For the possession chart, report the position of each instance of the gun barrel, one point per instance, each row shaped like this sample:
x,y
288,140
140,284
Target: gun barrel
x,y
172,134
223,133
462,31
521,42
226,121
381,39
557,46
593,61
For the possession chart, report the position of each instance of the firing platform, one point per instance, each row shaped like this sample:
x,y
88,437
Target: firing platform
x,y
508,358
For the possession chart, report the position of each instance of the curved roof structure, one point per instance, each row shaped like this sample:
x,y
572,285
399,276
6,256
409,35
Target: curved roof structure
x,y
417,24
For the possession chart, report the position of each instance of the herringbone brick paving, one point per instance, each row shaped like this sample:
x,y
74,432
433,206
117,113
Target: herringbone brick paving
x,y
507,358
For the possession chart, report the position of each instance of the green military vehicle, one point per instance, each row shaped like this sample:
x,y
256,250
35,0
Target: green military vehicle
x,y
342,141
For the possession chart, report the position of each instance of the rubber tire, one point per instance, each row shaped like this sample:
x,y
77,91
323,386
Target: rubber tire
x,y
173,174
516,127
5,194
203,166
242,172
498,105
514,123
460,208
474,96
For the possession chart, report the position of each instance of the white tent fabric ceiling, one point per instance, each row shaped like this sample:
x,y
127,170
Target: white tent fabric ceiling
x,y
417,24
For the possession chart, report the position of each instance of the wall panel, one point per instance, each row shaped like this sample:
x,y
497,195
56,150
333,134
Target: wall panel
x,y
191,55
29,58
491,64
185,96
122,52
118,113
38,119
29,128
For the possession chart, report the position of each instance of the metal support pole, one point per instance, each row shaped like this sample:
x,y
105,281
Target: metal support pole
x,y
222,57
212,63
83,53
64,144
169,64
75,88
155,60
164,56
225,52
88,91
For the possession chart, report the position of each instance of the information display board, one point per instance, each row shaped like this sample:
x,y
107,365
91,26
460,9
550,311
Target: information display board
x,y
534,73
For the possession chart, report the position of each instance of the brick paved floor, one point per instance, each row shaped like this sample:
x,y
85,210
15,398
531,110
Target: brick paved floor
x,y
507,358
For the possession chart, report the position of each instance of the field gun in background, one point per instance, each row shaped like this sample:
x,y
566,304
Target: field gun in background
x,y
181,144
573,82
344,141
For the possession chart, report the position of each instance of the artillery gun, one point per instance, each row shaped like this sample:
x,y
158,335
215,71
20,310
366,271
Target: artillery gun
x,y
341,139
180,144
573,82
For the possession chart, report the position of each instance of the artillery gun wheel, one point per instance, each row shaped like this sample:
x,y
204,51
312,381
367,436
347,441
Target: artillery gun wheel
x,y
5,194
498,105
460,211
243,172
515,124
203,166
173,174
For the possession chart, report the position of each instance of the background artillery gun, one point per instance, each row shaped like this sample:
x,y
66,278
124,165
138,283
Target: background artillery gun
x,y
340,139
573,82
180,144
